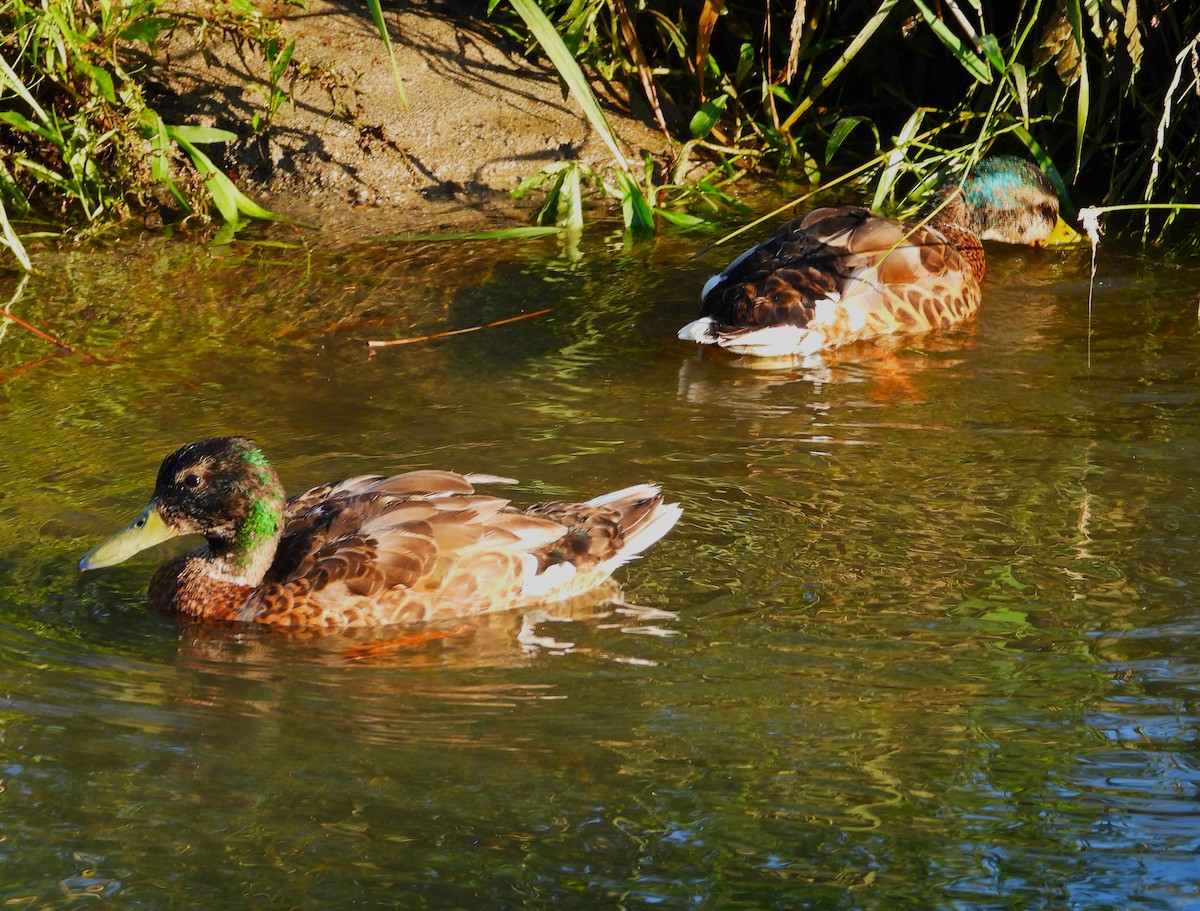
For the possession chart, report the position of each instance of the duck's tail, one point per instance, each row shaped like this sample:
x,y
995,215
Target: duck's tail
x,y
644,519
602,535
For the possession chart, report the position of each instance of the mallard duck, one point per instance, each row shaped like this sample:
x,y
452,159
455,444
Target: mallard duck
x,y
842,274
370,550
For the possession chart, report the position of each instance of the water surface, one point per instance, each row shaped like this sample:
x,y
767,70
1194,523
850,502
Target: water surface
x,y
925,637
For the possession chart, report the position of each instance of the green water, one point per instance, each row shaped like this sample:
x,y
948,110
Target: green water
x,y
926,636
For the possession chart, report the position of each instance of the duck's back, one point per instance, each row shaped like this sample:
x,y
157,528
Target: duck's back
x,y
834,276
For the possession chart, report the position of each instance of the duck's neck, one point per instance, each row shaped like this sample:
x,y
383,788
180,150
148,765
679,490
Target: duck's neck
x,y
213,582
187,586
949,208
245,558
950,214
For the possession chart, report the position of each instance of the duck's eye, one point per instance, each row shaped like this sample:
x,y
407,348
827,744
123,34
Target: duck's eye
x,y
191,481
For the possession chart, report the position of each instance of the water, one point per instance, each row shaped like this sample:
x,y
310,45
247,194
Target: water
x,y
931,637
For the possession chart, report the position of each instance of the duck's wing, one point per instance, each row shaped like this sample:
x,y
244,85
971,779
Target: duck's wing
x,y
833,276
778,282
387,555
425,483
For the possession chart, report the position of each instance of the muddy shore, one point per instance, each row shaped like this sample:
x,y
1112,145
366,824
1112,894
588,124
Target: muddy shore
x,y
348,155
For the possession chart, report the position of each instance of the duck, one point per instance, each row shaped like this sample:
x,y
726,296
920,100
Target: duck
x,y
417,547
842,274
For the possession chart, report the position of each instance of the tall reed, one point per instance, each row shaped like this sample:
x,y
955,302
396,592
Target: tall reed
x,y
1104,94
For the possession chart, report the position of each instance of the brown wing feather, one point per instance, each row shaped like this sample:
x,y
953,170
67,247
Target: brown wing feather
x,y
371,556
778,284
428,482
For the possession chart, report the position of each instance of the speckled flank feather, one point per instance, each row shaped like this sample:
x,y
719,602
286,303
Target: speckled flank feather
x,y
415,547
841,274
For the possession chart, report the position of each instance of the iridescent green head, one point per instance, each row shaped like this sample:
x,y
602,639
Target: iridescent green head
x,y
223,489
1008,199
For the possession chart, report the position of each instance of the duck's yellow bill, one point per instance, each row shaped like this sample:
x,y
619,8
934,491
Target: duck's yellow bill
x,y
145,531
1063,233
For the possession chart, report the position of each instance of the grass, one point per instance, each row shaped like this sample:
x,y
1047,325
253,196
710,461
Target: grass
x,y
82,144
1102,94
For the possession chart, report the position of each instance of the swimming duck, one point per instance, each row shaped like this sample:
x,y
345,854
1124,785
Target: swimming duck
x,y
370,550
841,274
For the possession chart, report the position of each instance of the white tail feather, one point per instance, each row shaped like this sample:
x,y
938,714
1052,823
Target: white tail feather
x,y
699,331
635,492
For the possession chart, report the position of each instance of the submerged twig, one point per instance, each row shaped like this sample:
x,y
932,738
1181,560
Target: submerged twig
x,y
36,331
86,357
396,643
387,343
26,368
5,313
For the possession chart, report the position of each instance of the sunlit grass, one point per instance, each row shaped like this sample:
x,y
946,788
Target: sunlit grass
x,y
80,140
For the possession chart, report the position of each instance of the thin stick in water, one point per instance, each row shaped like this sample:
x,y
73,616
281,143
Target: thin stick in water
x,y
387,343
6,314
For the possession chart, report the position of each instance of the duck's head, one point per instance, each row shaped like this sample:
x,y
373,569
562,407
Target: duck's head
x,y
223,489
1010,200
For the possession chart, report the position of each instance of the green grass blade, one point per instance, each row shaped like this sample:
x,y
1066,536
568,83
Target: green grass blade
x,y
228,199
570,203
43,173
564,62
1082,111
1020,83
683,220
523,233
202,135
896,158
841,130
13,81
639,217
706,118
970,61
991,50
1083,105
147,29
547,215
19,121
381,27
160,144
10,239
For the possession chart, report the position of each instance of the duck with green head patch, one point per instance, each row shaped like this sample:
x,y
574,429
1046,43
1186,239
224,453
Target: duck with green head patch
x,y
370,550
842,274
